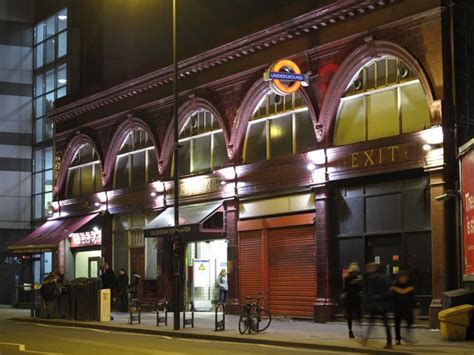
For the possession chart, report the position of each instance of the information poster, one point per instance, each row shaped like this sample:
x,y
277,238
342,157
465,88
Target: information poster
x,y
467,191
201,273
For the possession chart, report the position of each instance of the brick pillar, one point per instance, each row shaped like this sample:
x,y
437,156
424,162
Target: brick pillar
x,y
325,306
440,245
232,216
107,238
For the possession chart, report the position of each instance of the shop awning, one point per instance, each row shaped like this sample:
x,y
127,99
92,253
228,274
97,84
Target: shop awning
x,y
48,236
196,222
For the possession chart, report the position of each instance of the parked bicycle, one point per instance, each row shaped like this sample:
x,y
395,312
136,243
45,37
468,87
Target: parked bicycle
x,y
254,317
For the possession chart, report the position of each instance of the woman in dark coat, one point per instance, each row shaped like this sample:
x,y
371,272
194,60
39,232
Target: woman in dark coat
x,y
133,287
351,296
403,296
122,284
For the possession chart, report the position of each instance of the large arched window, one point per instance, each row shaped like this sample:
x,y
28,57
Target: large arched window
x,y
384,99
136,161
84,175
202,144
280,125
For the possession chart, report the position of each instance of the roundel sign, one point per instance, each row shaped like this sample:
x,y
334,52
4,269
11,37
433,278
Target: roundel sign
x,y
285,77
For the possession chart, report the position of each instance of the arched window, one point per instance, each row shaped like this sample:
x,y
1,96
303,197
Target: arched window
x,y
136,161
202,144
84,175
384,99
280,125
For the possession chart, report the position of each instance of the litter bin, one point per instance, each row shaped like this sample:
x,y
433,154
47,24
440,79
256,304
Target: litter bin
x,y
455,321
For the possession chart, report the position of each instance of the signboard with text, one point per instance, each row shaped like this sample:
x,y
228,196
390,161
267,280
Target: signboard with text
x,y
467,192
201,273
85,239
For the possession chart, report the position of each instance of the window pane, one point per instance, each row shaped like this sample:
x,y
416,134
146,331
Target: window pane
x,y
38,202
48,197
61,92
73,183
49,102
62,20
121,172
39,107
256,142
62,44
62,78
304,134
220,151
39,32
370,77
392,74
48,158
152,166
50,50
415,112
201,153
48,129
50,80
38,183
87,183
38,159
350,125
50,26
48,180
281,141
39,85
138,168
381,73
39,130
98,177
382,111
184,158
39,55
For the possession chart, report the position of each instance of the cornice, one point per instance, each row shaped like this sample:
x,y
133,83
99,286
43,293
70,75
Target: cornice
x,y
324,17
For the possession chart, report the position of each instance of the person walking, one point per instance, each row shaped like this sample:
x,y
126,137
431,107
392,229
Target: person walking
x,y
133,287
122,285
223,286
49,292
378,300
351,296
108,278
403,293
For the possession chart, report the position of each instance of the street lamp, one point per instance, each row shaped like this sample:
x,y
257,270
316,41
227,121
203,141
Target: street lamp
x,y
177,239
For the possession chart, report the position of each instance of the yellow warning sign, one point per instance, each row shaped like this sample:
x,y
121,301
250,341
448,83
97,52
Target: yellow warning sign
x,y
202,267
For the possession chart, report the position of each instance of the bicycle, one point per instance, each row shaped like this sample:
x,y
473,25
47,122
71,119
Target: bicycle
x,y
254,317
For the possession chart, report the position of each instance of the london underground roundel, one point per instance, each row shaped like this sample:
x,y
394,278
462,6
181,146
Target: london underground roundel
x,y
285,77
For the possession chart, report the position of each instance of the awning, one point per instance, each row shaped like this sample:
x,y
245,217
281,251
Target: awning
x,y
196,222
48,236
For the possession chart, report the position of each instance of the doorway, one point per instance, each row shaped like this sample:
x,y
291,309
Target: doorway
x,y
94,267
385,251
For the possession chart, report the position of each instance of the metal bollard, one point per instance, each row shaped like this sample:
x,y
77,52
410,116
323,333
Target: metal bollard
x,y
135,311
188,321
220,323
159,315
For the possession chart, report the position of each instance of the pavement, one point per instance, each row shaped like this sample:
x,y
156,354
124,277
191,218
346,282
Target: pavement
x,y
283,332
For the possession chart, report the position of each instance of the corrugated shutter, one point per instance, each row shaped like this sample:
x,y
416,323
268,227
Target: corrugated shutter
x,y
292,270
250,264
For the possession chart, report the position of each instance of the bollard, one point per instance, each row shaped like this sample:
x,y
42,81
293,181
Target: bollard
x,y
135,311
159,316
188,321
220,323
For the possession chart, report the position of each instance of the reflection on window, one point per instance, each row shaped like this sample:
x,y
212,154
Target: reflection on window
x,y
136,162
84,173
202,144
384,99
280,126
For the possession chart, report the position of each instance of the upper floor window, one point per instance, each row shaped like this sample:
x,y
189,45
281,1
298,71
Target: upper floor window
x,y
136,162
85,173
202,144
280,126
384,99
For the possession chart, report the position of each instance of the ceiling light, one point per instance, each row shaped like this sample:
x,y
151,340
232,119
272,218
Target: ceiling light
x,y
62,81
153,194
62,17
310,166
426,147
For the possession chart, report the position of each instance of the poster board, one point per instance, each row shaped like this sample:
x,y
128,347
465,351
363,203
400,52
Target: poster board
x,y
467,199
201,273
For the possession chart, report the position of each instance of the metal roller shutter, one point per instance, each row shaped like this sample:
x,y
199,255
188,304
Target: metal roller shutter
x,y
250,264
292,270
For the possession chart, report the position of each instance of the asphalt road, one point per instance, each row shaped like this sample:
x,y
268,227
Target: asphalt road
x,y
34,338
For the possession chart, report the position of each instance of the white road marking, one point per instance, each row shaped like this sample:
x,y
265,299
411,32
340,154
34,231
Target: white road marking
x,y
66,327
195,340
22,348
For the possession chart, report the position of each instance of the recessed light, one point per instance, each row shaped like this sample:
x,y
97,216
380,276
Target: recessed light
x,y
62,17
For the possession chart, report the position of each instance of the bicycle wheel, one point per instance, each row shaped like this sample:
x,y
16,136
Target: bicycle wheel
x,y
243,322
264,319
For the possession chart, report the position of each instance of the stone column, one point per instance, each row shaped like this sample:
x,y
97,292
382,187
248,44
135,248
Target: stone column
x,y
324,308
107,238
231,217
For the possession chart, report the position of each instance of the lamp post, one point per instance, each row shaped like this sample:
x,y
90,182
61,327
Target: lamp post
x,y
177,239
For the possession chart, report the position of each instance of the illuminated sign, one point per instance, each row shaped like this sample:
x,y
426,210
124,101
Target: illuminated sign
x,y
85,239
198,186
285,77
467,189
